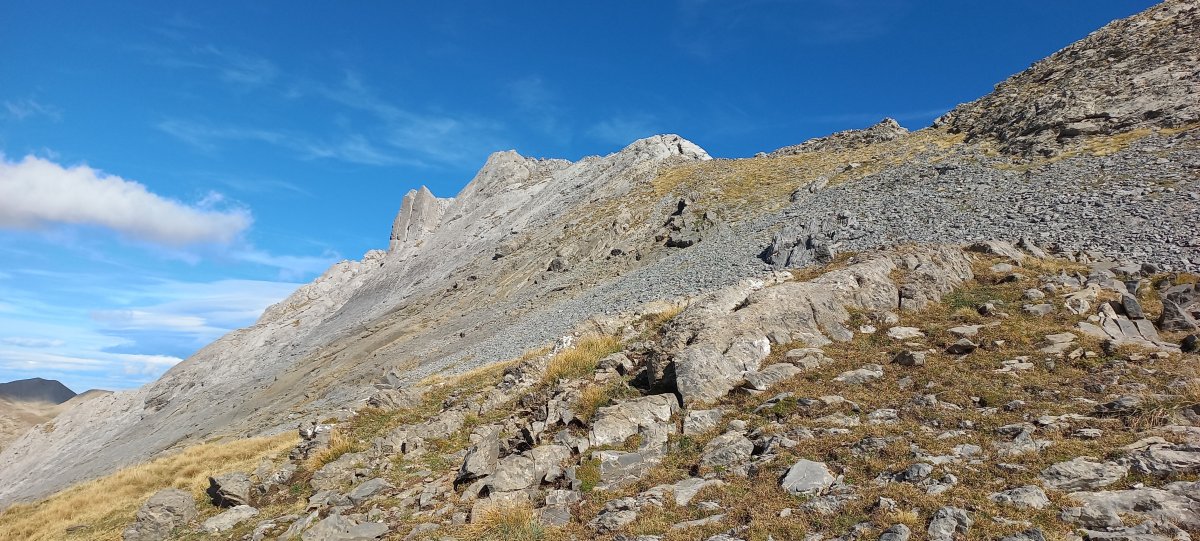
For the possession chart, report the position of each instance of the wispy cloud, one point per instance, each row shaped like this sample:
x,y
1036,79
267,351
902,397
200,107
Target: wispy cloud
x,y
22,109
189,313
711,30
35,193
540,106
238,69
123,335
258,185
422,136
624,129
290,267
352,148
241,69
27,342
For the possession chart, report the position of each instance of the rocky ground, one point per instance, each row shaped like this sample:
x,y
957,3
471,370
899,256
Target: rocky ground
x,y
984,393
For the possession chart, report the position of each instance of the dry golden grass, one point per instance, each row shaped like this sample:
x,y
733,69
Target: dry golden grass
x,y
104,507
582,358
654,321
339,444
765,183
506,523
1111,144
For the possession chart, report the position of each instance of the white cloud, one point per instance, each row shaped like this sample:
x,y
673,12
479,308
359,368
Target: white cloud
x,y
26,342
139,320
35,192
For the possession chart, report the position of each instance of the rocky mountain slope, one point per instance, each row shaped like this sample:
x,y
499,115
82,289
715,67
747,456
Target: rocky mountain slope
x,y
532,250
928,392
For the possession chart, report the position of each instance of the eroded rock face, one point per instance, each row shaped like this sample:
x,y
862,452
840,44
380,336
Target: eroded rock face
x,y
950,523
420,213
725,344
617,423
229,519
1130,74
339,528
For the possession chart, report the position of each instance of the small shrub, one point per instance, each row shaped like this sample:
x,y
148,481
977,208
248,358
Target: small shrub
x,y
588,474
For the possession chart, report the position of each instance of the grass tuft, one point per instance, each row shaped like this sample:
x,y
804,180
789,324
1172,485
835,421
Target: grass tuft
x,y
506,523
339,444
581,359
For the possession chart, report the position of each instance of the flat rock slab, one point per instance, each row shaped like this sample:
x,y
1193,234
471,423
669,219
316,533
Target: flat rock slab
x,y
807,477
771,376
1082,474
905,333
229,519
339,528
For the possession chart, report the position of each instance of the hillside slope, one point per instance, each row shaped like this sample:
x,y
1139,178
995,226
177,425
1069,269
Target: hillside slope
x,y
931,391
532,248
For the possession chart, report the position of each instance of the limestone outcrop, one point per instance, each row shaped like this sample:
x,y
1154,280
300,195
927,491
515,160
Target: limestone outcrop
x,y
1134,73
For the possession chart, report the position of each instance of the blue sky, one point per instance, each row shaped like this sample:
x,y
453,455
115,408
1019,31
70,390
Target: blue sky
x,y
169,170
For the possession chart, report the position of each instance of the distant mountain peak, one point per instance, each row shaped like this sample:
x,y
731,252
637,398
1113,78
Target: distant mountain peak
x,y
36,390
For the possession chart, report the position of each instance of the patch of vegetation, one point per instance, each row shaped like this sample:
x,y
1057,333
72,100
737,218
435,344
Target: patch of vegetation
x,y
588,474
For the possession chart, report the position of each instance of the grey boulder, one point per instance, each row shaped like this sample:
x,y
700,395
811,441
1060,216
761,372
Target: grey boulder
x,y
949,523
896,532
230,489
770,376
1181,308
164,511
807,477
1026,497
727,450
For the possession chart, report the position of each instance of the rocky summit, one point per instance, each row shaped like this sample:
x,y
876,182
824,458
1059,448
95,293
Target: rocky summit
x,y
981,329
